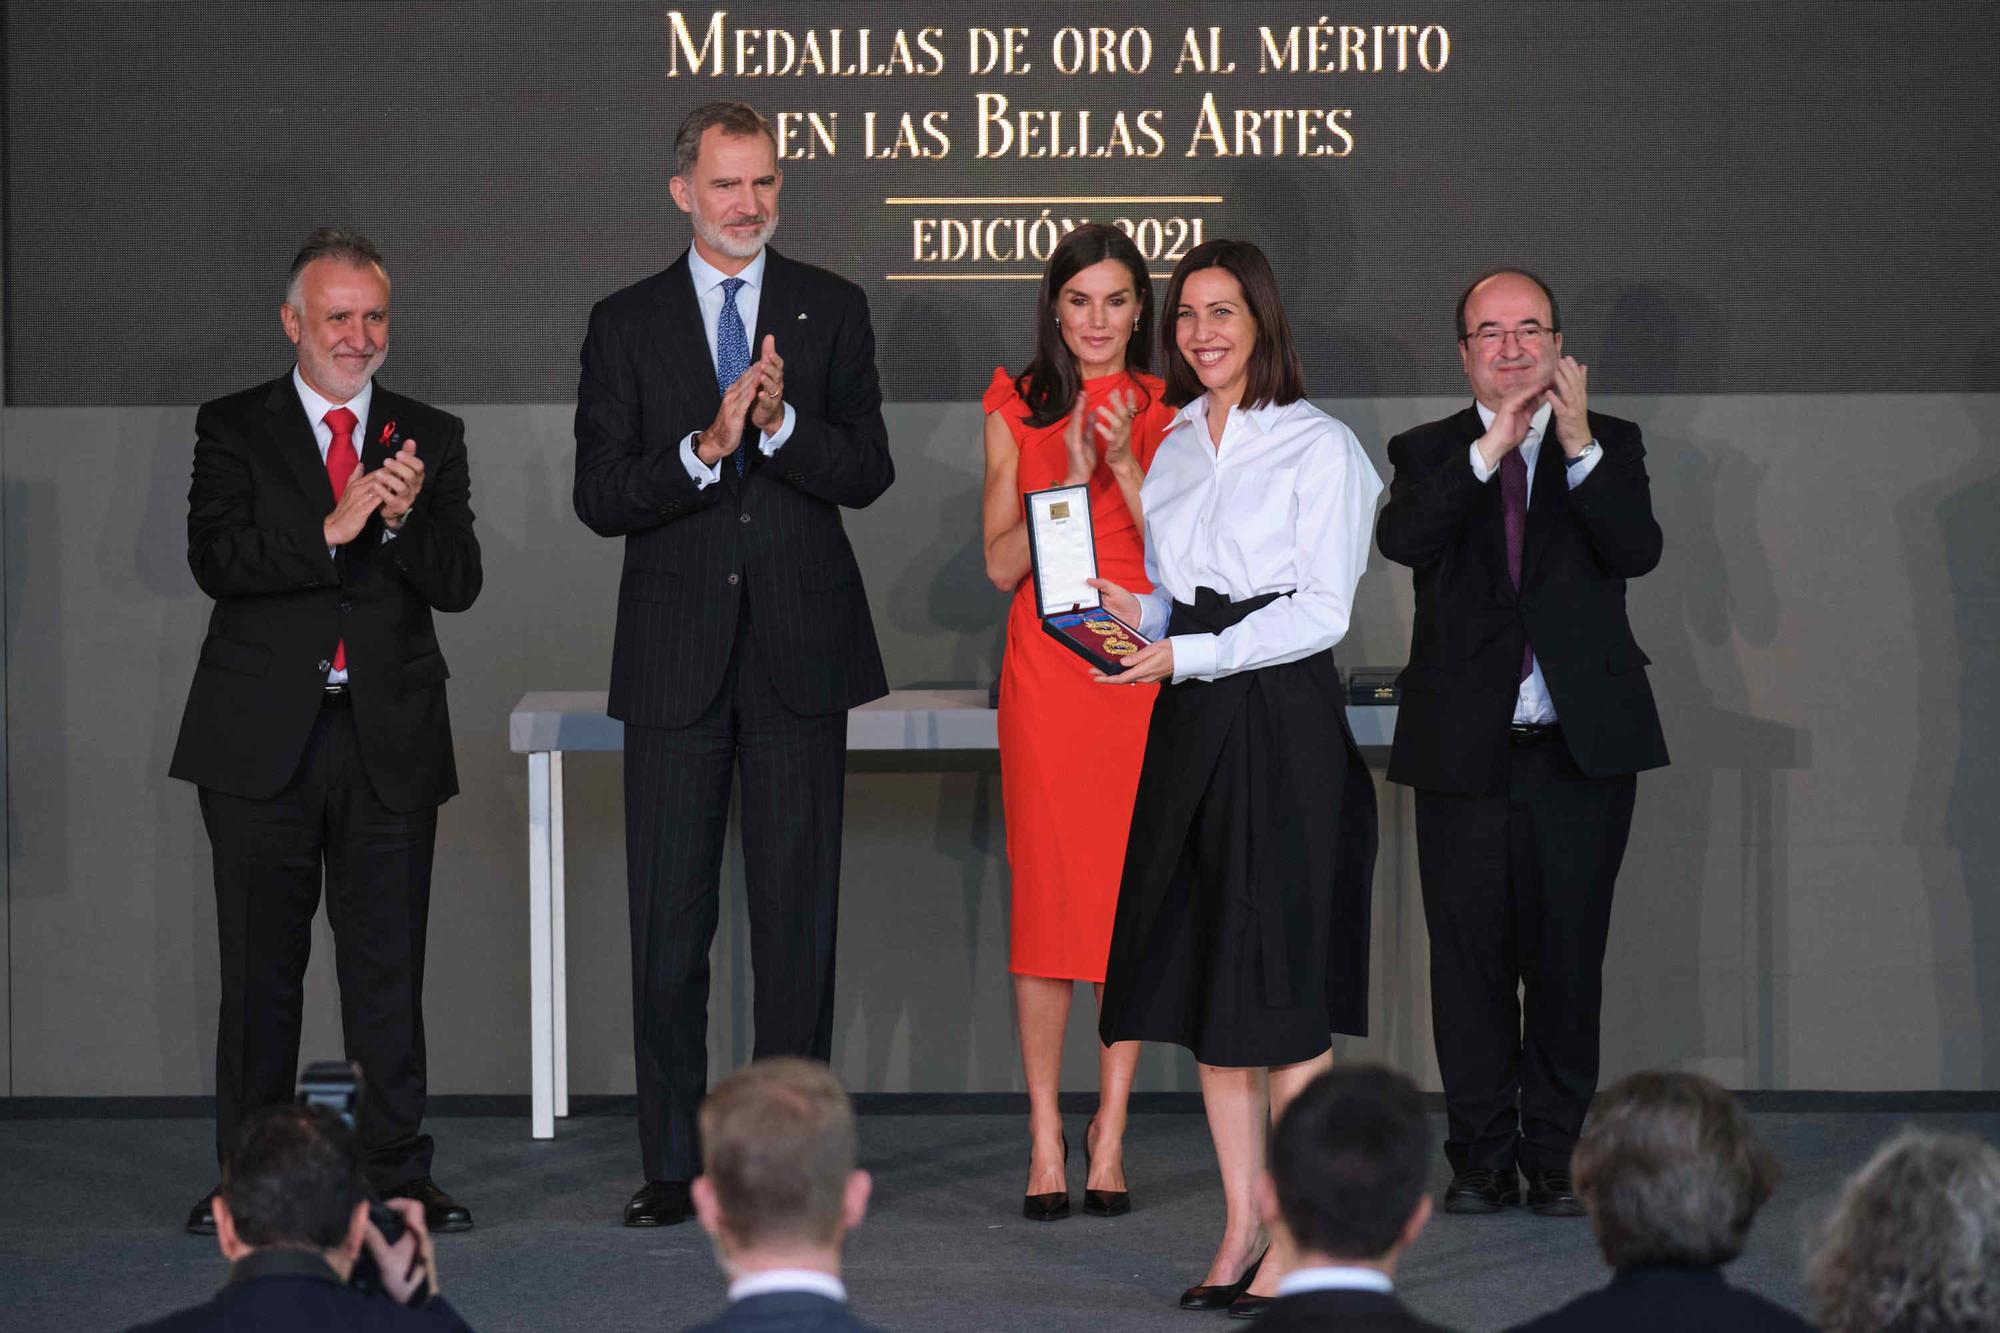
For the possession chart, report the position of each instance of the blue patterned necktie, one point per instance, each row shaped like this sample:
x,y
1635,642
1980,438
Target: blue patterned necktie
x,y
732,347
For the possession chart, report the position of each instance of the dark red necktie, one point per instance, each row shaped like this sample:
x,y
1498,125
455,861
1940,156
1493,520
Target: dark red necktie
x,y
340,461
1514,514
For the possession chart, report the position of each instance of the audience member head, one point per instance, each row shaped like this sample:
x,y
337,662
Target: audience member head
x,y
1349,1161
1671,1172
294,1181
1913,1245
778,1187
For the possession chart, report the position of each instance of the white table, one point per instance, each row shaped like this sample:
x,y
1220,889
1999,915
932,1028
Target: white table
x,y
546,724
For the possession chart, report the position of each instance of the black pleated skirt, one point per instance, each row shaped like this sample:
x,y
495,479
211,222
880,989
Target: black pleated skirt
x,y
1243,909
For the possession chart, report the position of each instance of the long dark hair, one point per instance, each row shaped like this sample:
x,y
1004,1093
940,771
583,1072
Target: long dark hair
x,y
1275,378
1050,383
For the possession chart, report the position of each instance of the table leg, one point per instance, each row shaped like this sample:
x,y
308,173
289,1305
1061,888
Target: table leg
x,y
541,982
558,949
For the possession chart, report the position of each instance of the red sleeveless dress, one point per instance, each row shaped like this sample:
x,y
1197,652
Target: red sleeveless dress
x,y
1070,747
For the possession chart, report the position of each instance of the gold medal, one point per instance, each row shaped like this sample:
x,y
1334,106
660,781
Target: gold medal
x,y
1119,647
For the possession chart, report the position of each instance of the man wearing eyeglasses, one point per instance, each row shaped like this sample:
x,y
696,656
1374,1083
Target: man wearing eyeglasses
x,y
1525,715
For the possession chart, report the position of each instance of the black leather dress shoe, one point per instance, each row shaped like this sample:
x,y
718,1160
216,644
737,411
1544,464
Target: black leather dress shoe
x,y
659,1203
441,1211
1551,1194
201,1217
1482,1191
1223,1295
1247,1306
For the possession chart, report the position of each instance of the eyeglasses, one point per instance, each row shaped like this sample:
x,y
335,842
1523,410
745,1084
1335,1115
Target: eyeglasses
x,y
1528,335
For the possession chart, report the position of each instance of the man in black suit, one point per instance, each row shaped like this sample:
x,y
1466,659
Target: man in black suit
x,y
1525,714
1345,1196
292,1219
328,517
778,1194
743,631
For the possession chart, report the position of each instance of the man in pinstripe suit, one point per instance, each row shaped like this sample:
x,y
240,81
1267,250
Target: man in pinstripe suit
x,y
743,630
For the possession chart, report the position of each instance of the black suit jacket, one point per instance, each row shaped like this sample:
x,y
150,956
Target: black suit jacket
x,y
279,1291
1669,1300
259,495
1579,548
1354,1311
785,1312
772,540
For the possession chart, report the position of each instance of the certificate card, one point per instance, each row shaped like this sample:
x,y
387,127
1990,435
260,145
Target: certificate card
x,y
1063,550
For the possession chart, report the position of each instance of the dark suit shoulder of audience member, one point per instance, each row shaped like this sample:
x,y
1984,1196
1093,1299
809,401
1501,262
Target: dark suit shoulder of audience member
x,y
1642,1300
1347,1311
790,1311
282,1291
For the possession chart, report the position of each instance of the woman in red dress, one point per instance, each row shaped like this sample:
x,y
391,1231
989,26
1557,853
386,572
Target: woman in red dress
x,y
1083,412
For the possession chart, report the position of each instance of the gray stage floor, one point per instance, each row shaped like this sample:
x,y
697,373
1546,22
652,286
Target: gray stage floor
x,y
89,1233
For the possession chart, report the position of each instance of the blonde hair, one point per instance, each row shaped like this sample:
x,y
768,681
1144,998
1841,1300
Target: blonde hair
x,y
778,1144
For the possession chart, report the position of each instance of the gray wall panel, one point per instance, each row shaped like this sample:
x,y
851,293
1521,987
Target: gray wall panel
x,y
1807,902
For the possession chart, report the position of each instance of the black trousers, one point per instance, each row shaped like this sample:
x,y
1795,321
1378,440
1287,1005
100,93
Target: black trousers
x,y
269,859
1517,896
676,812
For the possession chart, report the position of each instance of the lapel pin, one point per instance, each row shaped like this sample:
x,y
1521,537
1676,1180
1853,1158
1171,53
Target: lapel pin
x,y
802,314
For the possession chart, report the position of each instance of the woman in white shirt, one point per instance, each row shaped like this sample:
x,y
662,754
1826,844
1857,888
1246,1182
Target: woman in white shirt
x,y
1242,924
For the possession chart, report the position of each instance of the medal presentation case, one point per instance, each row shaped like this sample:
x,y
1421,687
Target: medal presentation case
x,y
1063,550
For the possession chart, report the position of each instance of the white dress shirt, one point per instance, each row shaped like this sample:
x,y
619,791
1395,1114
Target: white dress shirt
x,y
708,294
1533,707
316,409
1343,1277
788,1279
1285,503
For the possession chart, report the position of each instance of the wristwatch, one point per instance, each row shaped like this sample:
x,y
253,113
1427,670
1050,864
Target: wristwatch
x,y
1581,454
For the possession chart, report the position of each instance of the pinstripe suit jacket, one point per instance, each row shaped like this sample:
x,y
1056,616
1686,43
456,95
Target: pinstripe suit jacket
x,y
771,540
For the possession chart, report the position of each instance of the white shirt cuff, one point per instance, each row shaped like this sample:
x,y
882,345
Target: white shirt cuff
x,y
1575,475
1479,468
1194,655
703,475
1155,609
772,442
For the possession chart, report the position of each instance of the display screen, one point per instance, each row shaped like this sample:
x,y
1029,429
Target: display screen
x,y
1725,197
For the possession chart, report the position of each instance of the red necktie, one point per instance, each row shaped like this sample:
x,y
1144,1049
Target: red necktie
x,y
340,461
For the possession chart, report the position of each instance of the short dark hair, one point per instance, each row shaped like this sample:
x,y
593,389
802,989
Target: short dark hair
x,y
778,1143
1671,1172
341,243
1350,1158
1555,311
293,1178
1050,382
736,119
1276,378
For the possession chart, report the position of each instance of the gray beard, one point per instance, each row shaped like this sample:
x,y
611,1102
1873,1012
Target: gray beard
x,y
721,240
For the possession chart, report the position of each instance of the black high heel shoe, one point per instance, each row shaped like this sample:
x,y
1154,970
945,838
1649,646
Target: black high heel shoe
x,y
1221,1295
1101,1203
1053,1206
